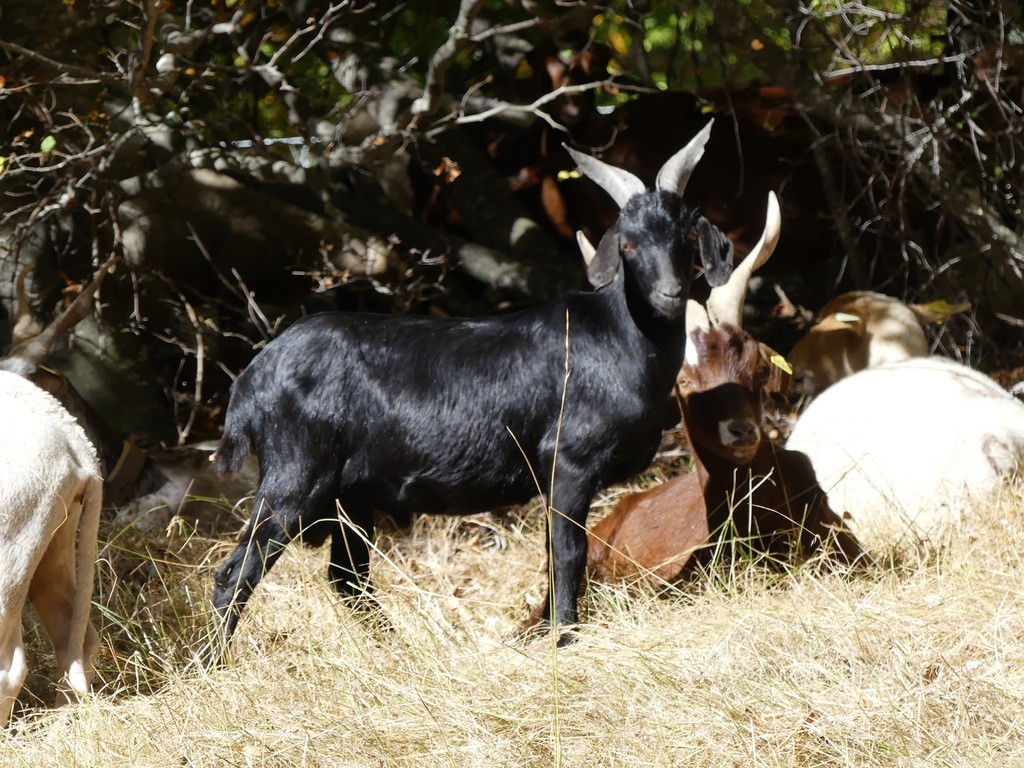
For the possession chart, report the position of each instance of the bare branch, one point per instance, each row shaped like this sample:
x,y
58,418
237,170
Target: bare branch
x,y
61,67
458,39
899,66
27,356
534,107
152,11
239,289
200,355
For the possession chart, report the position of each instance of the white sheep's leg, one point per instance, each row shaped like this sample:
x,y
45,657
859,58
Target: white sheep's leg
x,y
53,594
13,668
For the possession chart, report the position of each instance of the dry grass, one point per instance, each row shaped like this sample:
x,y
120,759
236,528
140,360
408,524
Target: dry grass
x,y
921,665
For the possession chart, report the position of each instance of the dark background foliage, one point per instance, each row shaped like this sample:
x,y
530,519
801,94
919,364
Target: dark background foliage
x,y
253,161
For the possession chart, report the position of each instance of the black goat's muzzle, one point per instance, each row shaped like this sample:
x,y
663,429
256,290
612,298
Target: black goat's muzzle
x,y
671,305
669,296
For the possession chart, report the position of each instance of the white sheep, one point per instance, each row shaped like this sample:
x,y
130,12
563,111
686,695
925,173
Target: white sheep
x,y
50,499
911,445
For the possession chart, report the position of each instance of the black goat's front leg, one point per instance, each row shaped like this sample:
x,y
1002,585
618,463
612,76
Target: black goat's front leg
x,y
262,544
567,556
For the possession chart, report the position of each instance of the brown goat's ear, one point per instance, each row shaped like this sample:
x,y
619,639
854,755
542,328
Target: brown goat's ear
x,y
781,372
604,266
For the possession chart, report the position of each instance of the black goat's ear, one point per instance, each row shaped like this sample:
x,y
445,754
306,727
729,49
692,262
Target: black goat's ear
x,y
604,267
715,252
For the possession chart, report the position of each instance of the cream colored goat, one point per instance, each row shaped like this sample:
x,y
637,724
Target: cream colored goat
x,y
861,329
50,498
911,445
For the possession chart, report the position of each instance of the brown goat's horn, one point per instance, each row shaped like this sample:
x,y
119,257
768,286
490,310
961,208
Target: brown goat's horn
x,y
586,247
675,173
30,352
619,184
696,317
725,304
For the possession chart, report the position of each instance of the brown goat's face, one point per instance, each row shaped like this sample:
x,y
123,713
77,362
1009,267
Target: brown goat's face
x,y
722,386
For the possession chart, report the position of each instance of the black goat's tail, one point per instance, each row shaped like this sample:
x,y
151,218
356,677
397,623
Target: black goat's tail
x,y
234,446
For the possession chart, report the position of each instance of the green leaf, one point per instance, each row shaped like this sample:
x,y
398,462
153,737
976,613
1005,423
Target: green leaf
x,y
46,146
939,305
781,362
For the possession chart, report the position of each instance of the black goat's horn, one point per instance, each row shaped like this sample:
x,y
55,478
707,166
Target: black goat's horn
x,y
619,184
675,173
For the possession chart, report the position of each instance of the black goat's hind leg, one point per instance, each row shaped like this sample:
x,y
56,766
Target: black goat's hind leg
x,y
349,569
262,544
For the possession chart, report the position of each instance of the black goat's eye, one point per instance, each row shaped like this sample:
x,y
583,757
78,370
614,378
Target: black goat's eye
x,y
627,248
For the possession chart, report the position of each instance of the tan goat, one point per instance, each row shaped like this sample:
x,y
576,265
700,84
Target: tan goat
x,y
862,329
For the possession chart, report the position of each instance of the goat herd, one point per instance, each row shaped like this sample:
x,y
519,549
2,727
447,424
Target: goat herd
x,y
352,414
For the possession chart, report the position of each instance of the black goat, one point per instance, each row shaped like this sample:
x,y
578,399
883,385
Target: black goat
x,y
351,413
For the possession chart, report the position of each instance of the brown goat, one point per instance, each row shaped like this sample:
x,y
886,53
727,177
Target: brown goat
x,y
767,496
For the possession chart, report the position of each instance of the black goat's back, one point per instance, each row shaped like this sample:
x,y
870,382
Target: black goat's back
x,y
418,414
